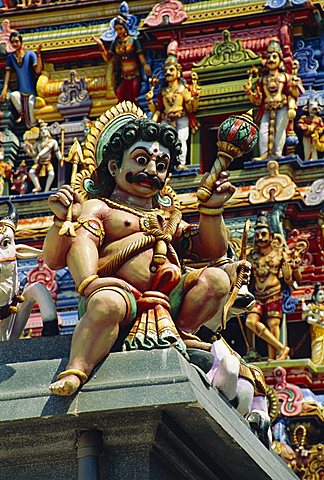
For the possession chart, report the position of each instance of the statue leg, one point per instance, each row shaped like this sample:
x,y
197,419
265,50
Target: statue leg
x,y
16,100
93,337
263,136
30,117
204,302
36,293
253,322
49,180
34,178
307,148
183,133
225,370
274,326
280,131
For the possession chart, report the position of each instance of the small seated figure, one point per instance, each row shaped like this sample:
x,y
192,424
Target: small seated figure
x,y
313,313
123,254
311,124
27,65
275,92
20,179
5,45
176,102
271,263
41,152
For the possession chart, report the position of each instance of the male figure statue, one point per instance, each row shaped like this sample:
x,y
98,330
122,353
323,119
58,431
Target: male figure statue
x,y
41,152
27,66
275,93
123,256
175,102
270,264
309,124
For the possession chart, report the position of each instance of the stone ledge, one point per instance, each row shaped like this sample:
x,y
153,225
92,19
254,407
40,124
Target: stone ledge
x,y
149,406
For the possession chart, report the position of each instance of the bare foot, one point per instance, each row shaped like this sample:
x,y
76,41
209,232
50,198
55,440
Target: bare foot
x,y
36,189
65,386
284,354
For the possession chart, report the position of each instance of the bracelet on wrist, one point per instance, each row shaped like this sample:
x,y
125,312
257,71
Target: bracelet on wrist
x,y
213,212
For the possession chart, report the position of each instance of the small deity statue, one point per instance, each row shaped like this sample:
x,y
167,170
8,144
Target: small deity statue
x,y
27,66
176,102
271,263
5,174
275,93
311,124
73,90
127,54
5,46
121,248
41,152
313,313
20,179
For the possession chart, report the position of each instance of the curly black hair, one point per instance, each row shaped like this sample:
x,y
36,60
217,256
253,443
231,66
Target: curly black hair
x,y
130,133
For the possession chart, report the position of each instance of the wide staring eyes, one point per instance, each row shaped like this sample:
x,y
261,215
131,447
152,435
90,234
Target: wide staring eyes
x,y
141,160
161,166
5,242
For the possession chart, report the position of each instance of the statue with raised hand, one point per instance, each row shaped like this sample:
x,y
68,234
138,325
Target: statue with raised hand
x,y
126,248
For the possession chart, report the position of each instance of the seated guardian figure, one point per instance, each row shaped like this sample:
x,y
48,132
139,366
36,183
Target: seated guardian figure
x,y
125,254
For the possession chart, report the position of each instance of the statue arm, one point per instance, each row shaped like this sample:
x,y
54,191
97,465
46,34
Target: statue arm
x,y
46,150
4,92
39,64
211,240
254,93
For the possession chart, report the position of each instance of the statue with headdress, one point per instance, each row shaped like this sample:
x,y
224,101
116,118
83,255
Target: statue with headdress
x,y
275,93
313,313
41,151
176,102
272,265
126,53
312,126
118,227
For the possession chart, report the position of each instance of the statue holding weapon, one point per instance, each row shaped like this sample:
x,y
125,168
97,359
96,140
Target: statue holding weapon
x,y
130,239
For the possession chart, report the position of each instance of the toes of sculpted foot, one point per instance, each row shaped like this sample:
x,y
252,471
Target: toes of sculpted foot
x,y
66,387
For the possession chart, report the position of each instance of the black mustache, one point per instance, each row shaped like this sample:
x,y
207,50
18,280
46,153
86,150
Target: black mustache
x,y
140,176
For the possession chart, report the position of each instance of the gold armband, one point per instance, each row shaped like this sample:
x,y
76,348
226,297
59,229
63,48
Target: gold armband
x,y
86,282
94,226
213,212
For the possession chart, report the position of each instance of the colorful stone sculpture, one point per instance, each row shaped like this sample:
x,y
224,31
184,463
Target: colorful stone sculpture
x,y
15,308
41,152
313,313
275,92
126,52
273,187
121,247
27,65
271,262
312,127
176,102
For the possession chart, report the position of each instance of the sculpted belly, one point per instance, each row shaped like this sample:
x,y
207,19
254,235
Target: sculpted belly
x,y
136,271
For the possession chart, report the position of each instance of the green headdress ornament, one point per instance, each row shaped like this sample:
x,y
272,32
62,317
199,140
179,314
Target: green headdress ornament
x,y
104,127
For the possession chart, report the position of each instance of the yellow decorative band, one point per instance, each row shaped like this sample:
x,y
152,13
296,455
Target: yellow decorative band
x,y
85,283
213,212
94,226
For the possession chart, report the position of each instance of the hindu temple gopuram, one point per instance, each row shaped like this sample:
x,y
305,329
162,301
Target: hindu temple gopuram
x,y
162,239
